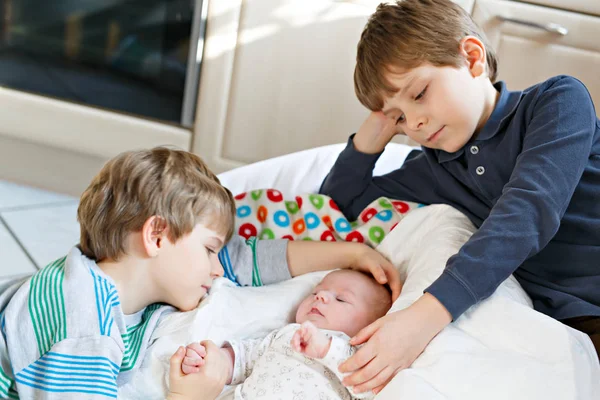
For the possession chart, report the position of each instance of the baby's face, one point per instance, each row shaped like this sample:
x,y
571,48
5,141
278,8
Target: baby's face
x,y
343,301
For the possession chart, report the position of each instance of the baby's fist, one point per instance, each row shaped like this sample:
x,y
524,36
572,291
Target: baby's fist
x,y
310,341
194,358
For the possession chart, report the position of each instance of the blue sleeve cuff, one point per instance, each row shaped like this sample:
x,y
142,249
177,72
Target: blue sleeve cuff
x,y
360,161
452,293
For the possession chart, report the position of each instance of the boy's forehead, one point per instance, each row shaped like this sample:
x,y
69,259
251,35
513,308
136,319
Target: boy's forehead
x,y
208,233
401,82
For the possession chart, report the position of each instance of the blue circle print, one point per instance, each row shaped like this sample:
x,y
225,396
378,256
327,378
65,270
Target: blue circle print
x,y
384,215
312,221
342,225
281,219
243,211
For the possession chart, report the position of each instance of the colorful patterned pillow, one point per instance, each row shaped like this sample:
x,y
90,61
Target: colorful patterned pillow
x,y
265,213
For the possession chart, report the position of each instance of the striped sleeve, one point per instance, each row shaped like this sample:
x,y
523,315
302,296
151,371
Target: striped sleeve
x,y
73,369
255,262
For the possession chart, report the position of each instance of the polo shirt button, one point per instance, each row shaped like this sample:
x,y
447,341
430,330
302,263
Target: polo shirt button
x,y
480,170
474,149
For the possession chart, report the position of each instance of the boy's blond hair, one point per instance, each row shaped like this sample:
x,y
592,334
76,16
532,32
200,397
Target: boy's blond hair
x,y
134,186
407,34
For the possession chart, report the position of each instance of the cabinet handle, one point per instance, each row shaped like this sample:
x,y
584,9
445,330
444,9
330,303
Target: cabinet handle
x,y
549,27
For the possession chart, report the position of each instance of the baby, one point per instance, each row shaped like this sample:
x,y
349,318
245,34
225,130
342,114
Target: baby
x,y
300,361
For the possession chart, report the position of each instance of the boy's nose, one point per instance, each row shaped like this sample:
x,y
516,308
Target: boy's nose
x,y
217,269
416,123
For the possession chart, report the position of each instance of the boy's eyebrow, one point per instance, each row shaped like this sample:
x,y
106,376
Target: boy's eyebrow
x,y
219,241
401,91
408,85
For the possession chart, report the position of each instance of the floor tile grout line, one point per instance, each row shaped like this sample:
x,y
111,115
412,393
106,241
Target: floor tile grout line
x,y
38,206
10,231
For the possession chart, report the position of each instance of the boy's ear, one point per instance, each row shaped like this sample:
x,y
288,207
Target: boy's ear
x,y
474,52
154,232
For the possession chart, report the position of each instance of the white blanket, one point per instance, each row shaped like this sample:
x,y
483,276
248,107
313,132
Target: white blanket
x,y
499,349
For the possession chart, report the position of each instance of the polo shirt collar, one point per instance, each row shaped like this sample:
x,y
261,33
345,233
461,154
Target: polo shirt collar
x,y
506,105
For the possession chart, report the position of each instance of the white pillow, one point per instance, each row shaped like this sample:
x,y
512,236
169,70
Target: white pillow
x,y
304,171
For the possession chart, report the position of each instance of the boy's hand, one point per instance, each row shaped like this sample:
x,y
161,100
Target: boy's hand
x,y
373,262
206,384
393,343
194,358
310,341
375,133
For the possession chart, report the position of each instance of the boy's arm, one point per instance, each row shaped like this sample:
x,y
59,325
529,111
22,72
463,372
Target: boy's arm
x,y
556,148
309,256
351,184
256,262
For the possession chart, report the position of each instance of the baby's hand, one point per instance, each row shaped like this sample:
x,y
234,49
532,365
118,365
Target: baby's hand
x,y
207,383
310,341
194,358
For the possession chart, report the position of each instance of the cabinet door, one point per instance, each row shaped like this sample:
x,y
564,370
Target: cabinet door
x,y
528,54
277,77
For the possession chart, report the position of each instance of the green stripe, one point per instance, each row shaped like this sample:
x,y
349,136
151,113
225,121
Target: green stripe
x,y
12,393
5,383
134,337
61,300
46,305
256,279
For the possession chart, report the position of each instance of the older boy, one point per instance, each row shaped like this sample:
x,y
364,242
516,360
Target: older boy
x,y
152,224
523,166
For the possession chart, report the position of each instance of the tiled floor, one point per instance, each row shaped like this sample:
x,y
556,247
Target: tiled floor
x,y
36,227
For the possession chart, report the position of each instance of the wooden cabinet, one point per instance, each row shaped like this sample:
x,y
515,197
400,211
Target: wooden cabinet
x,y
277,78
532,45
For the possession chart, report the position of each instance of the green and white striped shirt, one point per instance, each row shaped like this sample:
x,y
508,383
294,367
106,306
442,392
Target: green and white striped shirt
x,y
64,334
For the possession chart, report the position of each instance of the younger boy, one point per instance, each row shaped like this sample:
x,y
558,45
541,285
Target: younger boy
x,y
152,223
300,361
524,166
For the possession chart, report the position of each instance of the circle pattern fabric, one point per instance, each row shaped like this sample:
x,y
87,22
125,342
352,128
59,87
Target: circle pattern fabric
x,y
266,214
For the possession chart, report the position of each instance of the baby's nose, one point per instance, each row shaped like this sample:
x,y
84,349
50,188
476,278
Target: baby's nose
x,y
323,296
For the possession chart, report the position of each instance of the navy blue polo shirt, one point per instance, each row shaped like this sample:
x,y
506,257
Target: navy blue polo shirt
x,y
529,180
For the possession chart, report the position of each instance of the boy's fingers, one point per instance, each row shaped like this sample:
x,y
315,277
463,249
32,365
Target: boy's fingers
x,y
189,369
379,274
175,362
395,283
363,356
365,333
209,346
380,387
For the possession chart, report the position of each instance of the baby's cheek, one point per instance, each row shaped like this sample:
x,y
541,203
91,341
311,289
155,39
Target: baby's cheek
x,y
301,313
